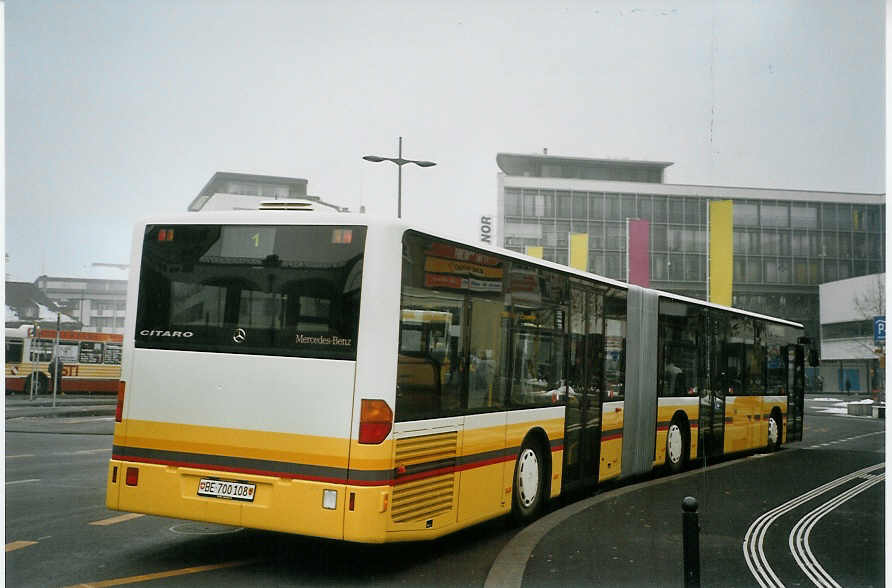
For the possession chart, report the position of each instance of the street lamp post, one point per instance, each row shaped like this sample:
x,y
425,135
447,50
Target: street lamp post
x,y
400,162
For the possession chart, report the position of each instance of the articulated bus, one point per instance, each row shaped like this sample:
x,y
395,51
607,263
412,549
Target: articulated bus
x,y
92,361
362,379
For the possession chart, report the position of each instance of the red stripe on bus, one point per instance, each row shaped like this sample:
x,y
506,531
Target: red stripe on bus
x,y
185,464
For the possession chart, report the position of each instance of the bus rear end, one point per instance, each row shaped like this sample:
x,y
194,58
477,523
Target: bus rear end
x,y
236,398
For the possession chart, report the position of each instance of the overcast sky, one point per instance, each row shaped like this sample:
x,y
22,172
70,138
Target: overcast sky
x,y
116,110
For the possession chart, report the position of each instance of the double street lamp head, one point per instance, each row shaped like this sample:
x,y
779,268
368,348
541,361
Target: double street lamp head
x,y
399,162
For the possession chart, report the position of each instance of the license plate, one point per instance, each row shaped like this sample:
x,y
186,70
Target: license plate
x,y
226,489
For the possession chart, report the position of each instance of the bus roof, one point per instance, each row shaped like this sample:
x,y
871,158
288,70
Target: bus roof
x,y
321,217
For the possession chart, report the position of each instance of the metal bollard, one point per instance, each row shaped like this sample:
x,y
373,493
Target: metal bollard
x,y
690,521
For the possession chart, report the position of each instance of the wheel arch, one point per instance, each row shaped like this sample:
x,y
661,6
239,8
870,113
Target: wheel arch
x,y
540,437
682,417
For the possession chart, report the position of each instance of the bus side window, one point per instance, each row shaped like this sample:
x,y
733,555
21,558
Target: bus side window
x,y
485,386
615,346
14,350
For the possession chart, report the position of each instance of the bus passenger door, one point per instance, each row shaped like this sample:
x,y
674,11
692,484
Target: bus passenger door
x,y
712,395
582,438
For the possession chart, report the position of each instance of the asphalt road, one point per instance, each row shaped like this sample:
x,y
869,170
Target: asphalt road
x,y
59,533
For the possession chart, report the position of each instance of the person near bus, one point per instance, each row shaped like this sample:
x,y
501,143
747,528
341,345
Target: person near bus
x,y
56,368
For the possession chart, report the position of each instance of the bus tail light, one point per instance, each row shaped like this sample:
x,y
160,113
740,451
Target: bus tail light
x,y
119,410
132,478
375,421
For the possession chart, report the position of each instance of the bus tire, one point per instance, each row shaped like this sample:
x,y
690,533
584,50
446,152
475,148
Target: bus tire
x,y
42,386
775,433
677,443
529,482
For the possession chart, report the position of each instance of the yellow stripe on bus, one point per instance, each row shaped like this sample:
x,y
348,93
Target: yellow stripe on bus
x,y
327,451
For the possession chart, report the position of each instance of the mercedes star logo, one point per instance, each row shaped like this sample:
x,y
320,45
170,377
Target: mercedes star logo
x,y
239,335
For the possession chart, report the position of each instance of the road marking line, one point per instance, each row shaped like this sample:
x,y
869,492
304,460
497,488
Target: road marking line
x,y
23,481
118,519
753,541
85,451
799,536
17,456
159,575
18,545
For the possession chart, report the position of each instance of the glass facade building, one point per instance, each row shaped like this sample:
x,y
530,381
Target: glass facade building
x,y
786,242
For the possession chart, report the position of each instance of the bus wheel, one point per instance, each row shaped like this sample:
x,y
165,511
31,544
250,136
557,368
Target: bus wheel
x,y
40,387
774,432
676,447
529,482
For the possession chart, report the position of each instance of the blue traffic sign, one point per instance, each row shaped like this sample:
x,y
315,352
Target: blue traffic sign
x,y
879,329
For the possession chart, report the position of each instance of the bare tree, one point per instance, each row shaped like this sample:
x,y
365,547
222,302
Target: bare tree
x,y
872,302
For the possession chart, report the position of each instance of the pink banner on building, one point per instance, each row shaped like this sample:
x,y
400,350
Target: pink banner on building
x,y
639,252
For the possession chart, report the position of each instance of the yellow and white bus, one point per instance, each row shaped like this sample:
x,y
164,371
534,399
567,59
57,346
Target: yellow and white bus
x,y
362,379
92,361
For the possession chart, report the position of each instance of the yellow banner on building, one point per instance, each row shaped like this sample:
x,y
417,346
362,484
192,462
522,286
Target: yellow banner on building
x,y
721,251
534,251
579,251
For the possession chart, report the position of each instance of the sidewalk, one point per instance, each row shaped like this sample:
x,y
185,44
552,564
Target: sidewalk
x,y
67,405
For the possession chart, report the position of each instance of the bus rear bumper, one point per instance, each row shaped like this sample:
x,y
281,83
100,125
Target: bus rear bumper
x,y
278,504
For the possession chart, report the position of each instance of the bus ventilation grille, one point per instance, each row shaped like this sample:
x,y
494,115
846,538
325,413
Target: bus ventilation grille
x,y
424,497
287,204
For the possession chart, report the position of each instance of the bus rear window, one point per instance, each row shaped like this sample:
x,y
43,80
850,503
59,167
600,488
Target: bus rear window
x,y
261,290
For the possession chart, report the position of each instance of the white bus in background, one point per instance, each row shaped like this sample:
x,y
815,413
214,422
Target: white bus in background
x,y
363,379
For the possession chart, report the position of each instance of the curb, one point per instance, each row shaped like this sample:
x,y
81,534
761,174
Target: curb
x,y
509,566
50,412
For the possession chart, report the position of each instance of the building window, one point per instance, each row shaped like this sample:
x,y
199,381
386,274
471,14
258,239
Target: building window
x,y
693,271
579,205
676,267
645,208
770,271
548,203
828,216
596,206
629,208
613,266
563,208
844,217
659,267
692,211
614,207
845,245
676,210
830,273
660,213
804,216
659,238
875,218
784,271
746,214
741,241
775,215
754,271
596,235
875,244
616,236
529,203
512,202
847,330
770,243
